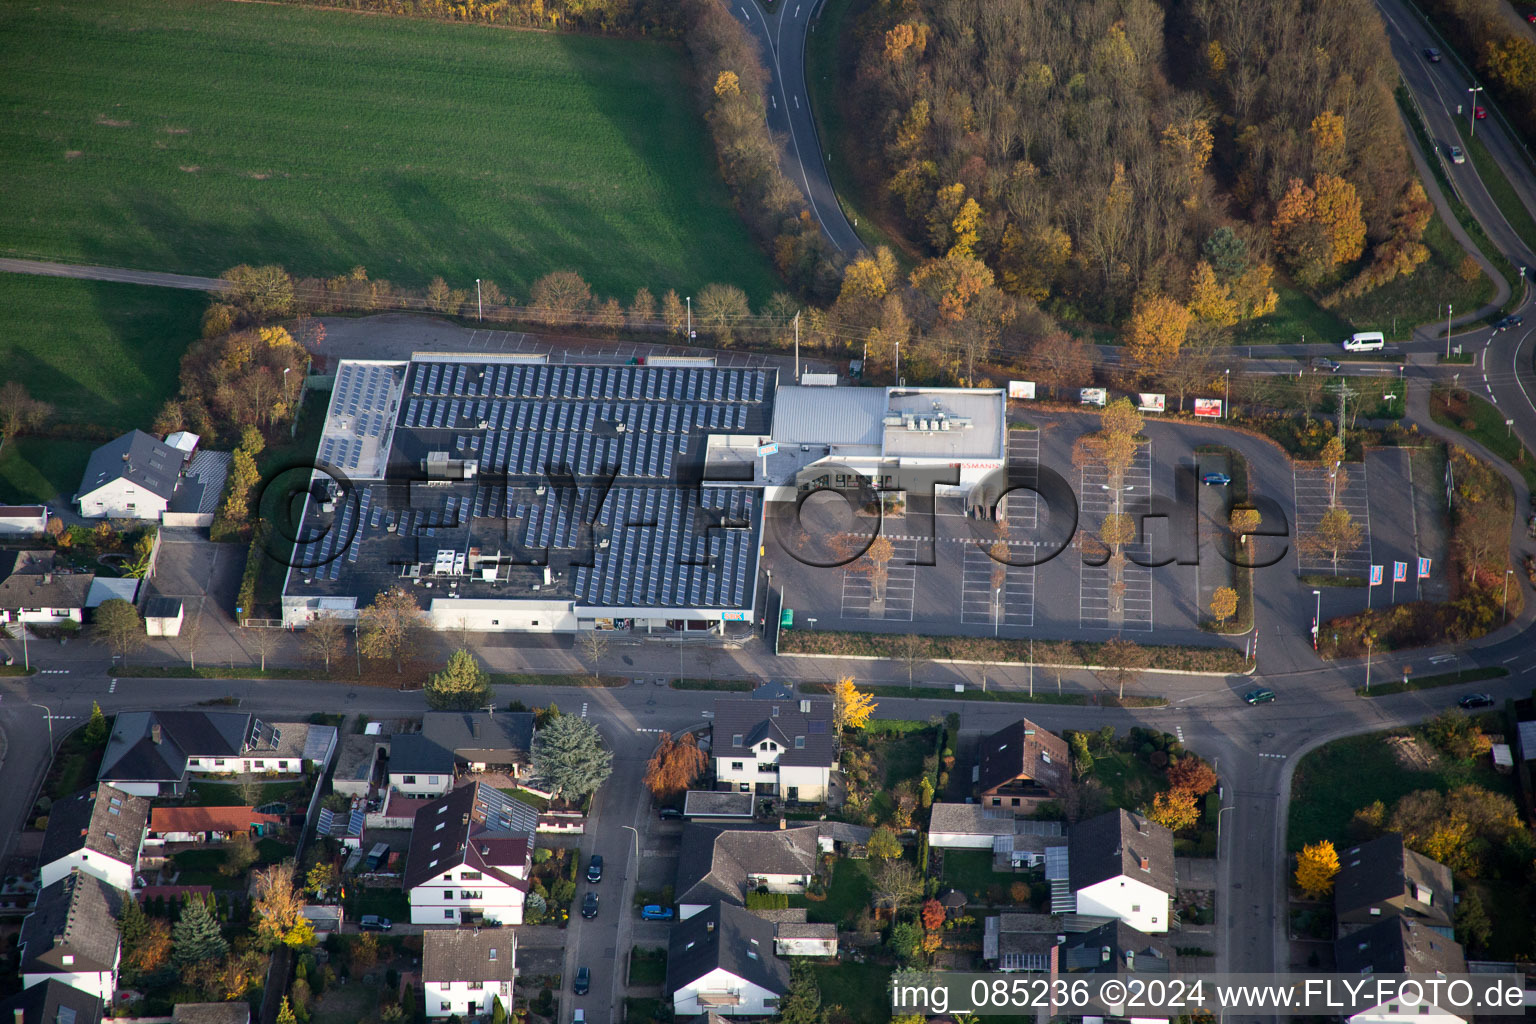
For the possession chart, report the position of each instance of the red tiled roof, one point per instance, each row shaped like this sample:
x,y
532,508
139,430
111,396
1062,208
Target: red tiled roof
x,y
207,819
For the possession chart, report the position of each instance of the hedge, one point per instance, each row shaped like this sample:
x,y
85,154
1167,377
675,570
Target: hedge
x,y
1001,651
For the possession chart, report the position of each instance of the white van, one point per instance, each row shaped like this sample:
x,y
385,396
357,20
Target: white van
x,y
1370,341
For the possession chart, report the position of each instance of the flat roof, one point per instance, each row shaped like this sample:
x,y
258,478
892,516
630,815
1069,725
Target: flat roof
x,y
497,472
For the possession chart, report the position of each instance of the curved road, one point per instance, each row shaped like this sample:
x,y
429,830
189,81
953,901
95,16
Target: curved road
x,y
781,36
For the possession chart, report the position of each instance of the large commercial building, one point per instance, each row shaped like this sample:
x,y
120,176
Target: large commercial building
x,y
510,494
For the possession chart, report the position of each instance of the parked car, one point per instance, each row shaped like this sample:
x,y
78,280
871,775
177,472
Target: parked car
x,y
595,868
1476,700
670,814
1507,322
589,906
374,923
655,912
1457,156
1215,479
1531,18
583,983
1432,55
1324,363
1260,696
1481,113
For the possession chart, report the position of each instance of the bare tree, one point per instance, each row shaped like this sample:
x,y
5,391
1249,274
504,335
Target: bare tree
x,y
249,790
262,641
912,649
1336,535
324,638
895,884
1056,653
1122,663
19,411
594,645
191,634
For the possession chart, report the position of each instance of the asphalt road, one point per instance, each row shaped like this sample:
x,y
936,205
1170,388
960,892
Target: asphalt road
x,y
781,36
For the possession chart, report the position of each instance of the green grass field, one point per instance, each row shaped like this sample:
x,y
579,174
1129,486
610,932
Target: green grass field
x,y
190,136
39,470
101,353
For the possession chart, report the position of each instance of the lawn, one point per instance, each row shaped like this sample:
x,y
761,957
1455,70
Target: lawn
x,y
1455,409
329,139
971,872
1337,779
1129,781
101,354
860,989
1296,318
205,793
1471,675
1404,302
647,966
1501,191
847,896
390,903
41,469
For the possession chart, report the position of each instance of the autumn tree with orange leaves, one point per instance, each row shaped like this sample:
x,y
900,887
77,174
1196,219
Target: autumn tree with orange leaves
x,y
674,766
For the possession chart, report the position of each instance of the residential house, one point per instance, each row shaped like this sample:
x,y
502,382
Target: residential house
x,y
793,935
238,1012
206,825
1120,865
1019,942
23,520
480,742
346,827
152,753
71,936
33,593
418,767
722,960
131,477
1021,766
1383,878
357,758
718,864
775,748
99,831
1400,945
1014,842
470,857
51,1002
465,970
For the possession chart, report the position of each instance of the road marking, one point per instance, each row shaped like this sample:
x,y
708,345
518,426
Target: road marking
x,y
1525,670
648,729
1508,660
1278,757
53,671
744,14
774,100
1178,731
583,709
797,101
797,10
112,687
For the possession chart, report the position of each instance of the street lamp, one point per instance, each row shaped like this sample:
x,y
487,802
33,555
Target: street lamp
x,y
47,717
690,317
479,305
997,593
1219,813
1472,111
1227,377
1317,617
1370,641
637,849
1448,308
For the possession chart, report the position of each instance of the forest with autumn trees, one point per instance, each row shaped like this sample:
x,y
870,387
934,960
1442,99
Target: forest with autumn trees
x,y
1133,159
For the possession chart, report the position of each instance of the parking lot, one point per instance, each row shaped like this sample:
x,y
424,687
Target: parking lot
x,y
859,600
1314,489
1096,601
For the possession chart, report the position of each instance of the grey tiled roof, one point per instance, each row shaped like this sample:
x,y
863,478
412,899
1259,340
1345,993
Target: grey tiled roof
x,y
1115,844
1398,945
132,755
467,732
138,457
755,721
101,819
58,590
714,862
1149,954
1023,749
51,1002
726,937
1384,869
412,753
468,954
203,484
75,917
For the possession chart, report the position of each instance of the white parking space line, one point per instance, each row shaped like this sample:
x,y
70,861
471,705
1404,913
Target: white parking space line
x,y
1095,602
858,597
1313,492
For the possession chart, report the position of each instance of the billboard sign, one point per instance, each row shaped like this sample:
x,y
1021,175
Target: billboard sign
x,y
1151,402
1208,407
1021,389
765,450
733,616
1092,396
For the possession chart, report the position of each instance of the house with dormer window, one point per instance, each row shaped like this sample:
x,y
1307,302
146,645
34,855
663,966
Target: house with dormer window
x,y
470,857
783,749
465,970
71,936
99,831
1120,865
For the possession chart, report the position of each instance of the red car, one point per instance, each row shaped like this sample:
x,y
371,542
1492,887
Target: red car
x,y
1480,113
1531,18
